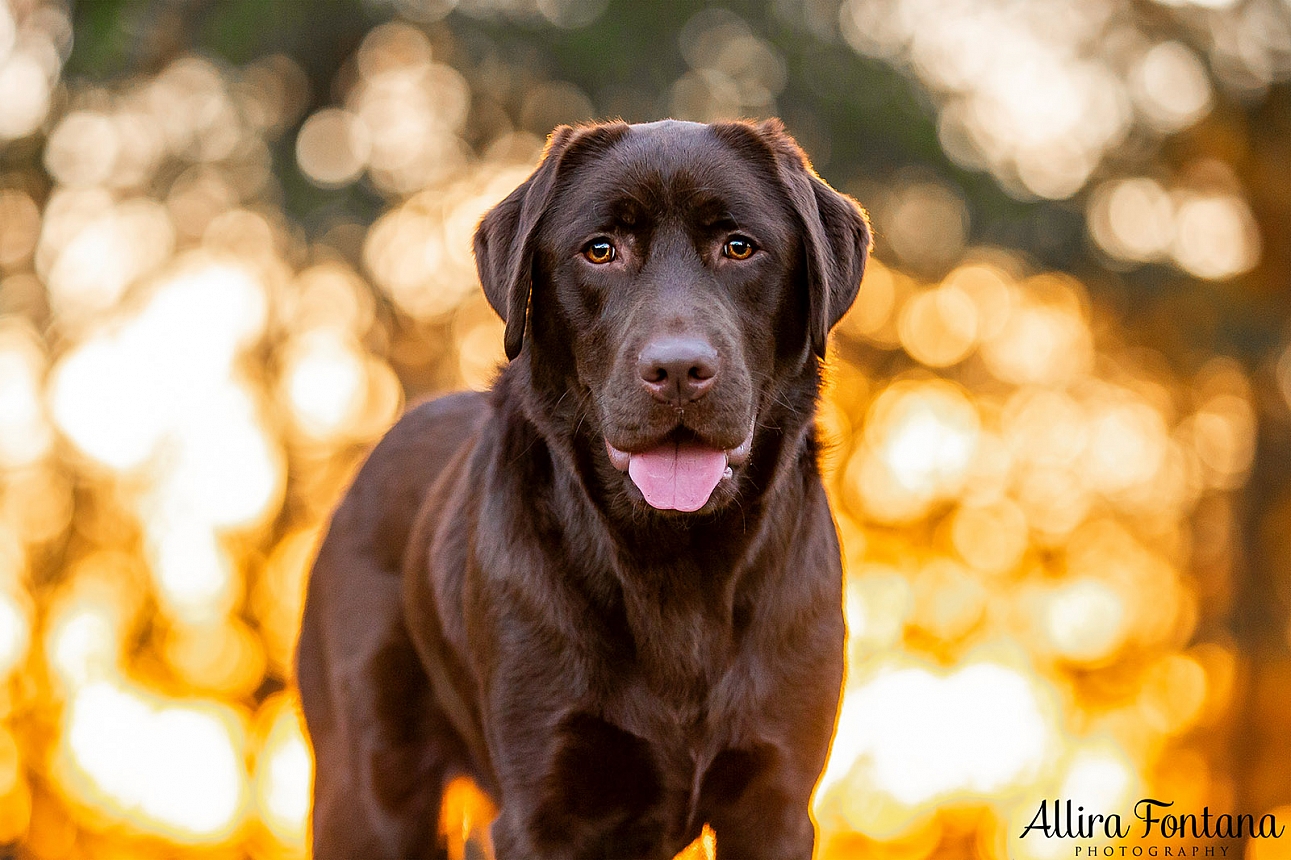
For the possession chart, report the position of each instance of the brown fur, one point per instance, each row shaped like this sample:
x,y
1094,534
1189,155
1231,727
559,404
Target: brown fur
x,y
495,599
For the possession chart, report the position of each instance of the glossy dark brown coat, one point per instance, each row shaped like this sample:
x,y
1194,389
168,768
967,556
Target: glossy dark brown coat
x,y
494,598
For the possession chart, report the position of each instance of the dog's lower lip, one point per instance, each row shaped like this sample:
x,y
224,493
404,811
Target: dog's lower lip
x,y
618,459
737,456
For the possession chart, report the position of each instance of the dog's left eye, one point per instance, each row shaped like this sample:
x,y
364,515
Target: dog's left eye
x,y
738,248
599,251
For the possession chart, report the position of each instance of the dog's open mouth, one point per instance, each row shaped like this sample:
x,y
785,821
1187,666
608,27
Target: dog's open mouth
x,y
679,474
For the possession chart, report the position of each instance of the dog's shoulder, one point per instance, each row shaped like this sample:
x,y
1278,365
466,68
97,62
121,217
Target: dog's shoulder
x,y
461,409
389,489
417,447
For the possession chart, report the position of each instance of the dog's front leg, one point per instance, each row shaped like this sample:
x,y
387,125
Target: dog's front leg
x,y
756,794
584,790
572,785
768,820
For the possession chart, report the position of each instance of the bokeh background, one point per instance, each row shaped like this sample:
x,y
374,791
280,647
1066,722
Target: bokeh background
x,y
235,242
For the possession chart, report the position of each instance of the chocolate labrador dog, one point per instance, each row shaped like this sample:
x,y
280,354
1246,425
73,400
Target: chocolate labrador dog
x,y
609,590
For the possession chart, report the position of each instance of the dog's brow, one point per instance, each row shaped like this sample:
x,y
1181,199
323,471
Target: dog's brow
x,y
713,212
724,220
628,207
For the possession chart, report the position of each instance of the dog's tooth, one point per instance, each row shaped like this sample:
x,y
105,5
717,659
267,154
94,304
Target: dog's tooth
x,y
728,474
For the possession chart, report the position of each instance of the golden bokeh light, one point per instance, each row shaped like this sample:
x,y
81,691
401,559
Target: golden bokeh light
x,y
193,574
1041,517
283,773
879,602
279,597
15,631
992,537
1043,132
1217,237
1085,619
25,432
1040,342
19,227
420,252
217,656
920,438
733,71
1174,692
413,108
89,618
324,382
1133,219
1170,87
481,353
878,295
90,258
30,68
908,736
174,767
938,327
926,224
333,147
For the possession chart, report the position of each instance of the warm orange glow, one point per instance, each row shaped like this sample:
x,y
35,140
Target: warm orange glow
x,y
1040,343
1171,87
878,295
1271,849
466,813
1133,219
25,434
1039,514
938,327
15,631
325,383
1085,619
908,737
465,816
703,848
920,439
174,767
283,773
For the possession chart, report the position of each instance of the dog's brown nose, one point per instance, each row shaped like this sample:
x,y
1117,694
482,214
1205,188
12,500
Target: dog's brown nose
x,y
678,370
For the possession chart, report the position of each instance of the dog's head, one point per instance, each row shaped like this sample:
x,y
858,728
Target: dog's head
x,y
677,282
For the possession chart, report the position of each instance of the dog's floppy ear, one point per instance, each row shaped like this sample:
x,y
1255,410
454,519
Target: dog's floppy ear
x,y
504,241
836,234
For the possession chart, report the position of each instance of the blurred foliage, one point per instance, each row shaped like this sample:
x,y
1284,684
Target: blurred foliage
x,y
235,240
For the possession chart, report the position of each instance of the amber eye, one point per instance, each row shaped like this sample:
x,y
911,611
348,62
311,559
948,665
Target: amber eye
x,y
599,251
738,248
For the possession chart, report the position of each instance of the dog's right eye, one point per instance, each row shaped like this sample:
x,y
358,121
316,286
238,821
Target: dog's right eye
x,y
738,248
599,251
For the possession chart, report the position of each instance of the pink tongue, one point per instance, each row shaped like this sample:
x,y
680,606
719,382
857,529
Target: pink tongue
x,y
677,476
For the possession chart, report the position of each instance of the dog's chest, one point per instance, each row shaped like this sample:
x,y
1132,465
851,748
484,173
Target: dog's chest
x,y
680,649
676,689
688,697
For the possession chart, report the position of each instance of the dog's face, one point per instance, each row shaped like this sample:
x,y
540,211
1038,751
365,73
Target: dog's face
x,y
669,276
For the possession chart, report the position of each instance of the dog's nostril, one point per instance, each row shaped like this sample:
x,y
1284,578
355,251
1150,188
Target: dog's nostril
x,y
654,373
678,369
702,371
